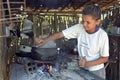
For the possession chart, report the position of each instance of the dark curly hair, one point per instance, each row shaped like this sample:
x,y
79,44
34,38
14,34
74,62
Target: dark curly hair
x,y
93,10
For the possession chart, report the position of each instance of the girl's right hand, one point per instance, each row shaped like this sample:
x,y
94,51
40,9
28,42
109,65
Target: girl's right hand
x,y
39,42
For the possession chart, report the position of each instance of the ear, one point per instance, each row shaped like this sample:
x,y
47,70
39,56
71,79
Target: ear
x,y
98,22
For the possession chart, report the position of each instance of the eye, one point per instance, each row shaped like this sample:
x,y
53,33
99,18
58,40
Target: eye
x,y
88,22
85,22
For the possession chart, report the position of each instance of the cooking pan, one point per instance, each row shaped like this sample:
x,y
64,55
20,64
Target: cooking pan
x,y
45,53
37,53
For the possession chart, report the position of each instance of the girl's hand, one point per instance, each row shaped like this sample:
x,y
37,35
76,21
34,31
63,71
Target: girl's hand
x,y
82,62
39,42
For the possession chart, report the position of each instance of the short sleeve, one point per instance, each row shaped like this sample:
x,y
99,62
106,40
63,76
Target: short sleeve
x,y
73,31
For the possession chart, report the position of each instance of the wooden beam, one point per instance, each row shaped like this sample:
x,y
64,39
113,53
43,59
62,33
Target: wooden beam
x,y
12,3
108,5
81,8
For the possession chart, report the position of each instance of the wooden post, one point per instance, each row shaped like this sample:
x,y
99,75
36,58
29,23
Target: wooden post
x,y
2,45
55,22
1,73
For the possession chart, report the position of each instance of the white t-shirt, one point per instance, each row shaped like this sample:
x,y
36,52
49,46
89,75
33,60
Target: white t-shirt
x,y
92,46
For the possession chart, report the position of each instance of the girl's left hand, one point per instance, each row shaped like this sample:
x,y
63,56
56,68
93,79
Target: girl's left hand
x,y
82,62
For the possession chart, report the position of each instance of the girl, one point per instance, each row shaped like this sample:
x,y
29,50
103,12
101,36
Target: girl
x,y
93,45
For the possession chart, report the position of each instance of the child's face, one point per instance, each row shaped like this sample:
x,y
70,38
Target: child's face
x,y
90,23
